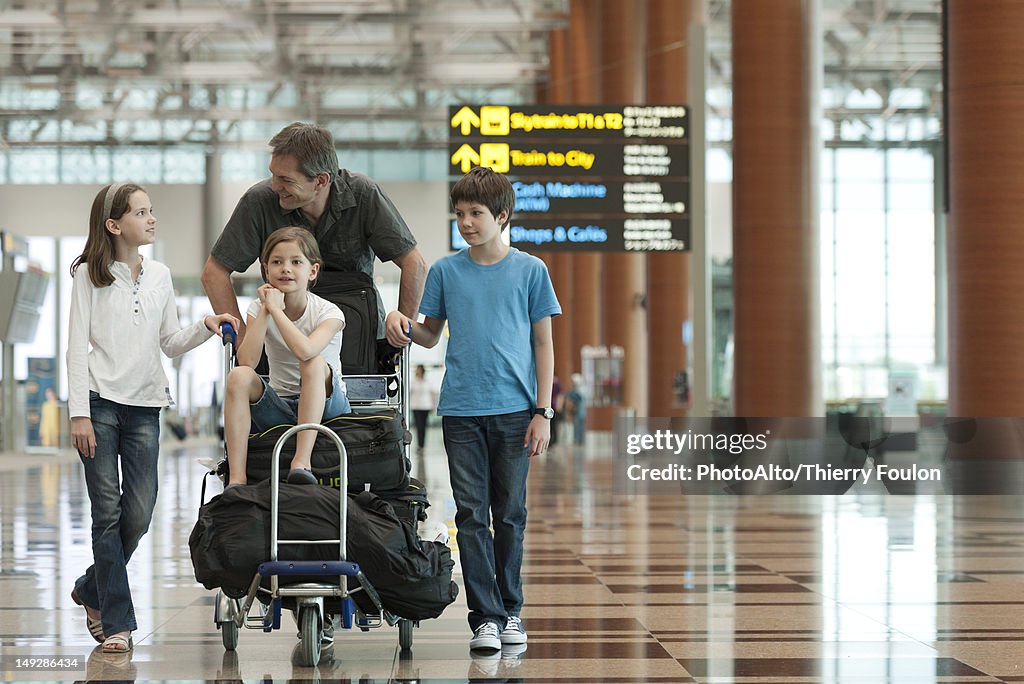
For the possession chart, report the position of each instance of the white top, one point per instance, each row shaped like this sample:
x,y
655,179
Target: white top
x,y
422,395
284,366
116,334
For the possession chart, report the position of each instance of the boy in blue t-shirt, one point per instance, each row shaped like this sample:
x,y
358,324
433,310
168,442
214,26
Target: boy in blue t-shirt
x,y
496,395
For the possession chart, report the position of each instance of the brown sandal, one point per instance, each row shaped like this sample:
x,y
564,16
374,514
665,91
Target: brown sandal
x,y
95,625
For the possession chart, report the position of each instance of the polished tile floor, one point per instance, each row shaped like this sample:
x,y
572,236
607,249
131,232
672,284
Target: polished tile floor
x,y
860,588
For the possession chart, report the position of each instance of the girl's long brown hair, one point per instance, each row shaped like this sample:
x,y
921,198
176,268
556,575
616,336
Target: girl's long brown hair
x,y
99,246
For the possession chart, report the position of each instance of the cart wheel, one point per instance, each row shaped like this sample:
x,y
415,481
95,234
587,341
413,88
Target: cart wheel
x,y
229,635
405,634
310,627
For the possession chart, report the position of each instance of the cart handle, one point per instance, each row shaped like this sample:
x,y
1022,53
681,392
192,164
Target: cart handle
x,y
228,335
275,484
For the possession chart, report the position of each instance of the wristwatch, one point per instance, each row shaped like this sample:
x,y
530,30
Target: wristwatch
x,y
545,411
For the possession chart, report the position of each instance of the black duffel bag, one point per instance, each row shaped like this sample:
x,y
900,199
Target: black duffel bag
x,y
232,537
375,442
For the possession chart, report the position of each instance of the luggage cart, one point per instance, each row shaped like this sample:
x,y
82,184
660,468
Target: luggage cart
x,y
261,607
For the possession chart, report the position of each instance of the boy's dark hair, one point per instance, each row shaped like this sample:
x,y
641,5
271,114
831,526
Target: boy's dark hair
x,y
489,188
310,144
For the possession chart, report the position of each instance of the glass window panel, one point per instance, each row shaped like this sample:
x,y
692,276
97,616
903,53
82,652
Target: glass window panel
x,y
859,165
395,165
199,98
825,164
84,165
177,129
912,288
48,132
896,130
140,98
828,319
345,97
860,287
435,164
864,99
184,166
908,97
829,130
79,131
719,165
146,130
137,165
351,131
859,196
393,130
355,160
916,165
36,166
244,165
88,97
919,196
3,167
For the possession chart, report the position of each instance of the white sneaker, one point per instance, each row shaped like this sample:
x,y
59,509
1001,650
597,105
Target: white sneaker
x,y
485,637
513,632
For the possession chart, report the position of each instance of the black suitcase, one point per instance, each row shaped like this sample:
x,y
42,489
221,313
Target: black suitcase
x,y
375,442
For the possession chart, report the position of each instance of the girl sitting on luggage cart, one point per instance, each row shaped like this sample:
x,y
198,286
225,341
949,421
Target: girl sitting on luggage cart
x,y
302,335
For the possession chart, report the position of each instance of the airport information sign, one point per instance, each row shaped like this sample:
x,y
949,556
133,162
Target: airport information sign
x,y
609,178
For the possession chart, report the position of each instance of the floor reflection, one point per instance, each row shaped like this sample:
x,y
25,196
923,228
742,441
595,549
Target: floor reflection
x,y
864,587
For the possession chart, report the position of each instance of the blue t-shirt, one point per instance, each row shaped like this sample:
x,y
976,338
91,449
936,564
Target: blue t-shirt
x,y
490,309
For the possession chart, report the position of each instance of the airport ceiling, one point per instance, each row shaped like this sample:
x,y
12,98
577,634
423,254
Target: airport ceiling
x,y
380,73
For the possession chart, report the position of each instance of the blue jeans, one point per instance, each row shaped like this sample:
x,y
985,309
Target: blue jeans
x,y
272,409
122,507
488,466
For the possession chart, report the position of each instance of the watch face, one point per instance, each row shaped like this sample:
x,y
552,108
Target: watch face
x,y
547,412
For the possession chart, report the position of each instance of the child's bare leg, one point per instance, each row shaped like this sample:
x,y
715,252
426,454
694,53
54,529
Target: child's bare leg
x,y
316,379
244,387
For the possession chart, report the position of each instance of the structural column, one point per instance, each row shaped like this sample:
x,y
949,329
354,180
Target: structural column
x,y
986,175
668,274
624,281
585,89
213,206
775,235
560,263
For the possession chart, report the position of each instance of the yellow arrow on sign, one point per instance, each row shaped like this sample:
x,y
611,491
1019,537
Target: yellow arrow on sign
x,y
467,157
466,118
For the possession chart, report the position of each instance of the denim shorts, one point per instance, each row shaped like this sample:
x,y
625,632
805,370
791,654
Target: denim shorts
x,y
272,409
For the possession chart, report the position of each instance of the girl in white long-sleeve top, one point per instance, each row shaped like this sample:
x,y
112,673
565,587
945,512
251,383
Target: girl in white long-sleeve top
x,y
123,314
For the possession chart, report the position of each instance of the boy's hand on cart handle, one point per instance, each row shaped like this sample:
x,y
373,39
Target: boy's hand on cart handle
x,y
215,322
82,436
398,329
